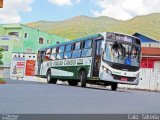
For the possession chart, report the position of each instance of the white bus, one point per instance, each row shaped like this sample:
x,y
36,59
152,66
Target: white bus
x,y
105,58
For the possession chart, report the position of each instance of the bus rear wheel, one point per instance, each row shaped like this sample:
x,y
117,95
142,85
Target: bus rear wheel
x,y
83,78
73,83
114,86
50,79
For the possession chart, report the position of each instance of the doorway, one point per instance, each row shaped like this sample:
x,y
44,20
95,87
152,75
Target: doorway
x,y
97,57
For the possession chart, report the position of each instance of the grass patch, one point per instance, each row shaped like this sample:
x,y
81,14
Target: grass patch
x,y
2,80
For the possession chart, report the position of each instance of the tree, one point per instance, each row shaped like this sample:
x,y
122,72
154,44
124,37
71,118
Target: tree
x,y
1,56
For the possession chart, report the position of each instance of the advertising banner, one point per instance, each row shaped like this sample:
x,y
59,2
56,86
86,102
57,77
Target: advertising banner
x,y
30,67
17,69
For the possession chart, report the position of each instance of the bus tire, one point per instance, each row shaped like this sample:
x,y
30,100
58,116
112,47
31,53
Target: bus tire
x,y
73,83
83,78
50,79
114,86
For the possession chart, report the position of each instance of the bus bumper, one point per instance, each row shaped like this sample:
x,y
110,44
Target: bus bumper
x,y
109,78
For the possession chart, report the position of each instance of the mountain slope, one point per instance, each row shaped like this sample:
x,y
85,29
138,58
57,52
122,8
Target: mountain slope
x,y
81,26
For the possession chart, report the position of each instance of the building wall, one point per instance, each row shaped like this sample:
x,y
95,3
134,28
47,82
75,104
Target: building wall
x,y
20,43
150,74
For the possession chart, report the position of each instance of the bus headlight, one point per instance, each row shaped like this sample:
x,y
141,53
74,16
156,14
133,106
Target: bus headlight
x,y
107,70
104,68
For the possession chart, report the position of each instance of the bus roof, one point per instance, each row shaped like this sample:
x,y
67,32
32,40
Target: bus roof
x,y
71,41
84,38
124,34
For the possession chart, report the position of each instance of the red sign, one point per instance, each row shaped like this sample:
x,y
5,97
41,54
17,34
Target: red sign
x,y
30,67
20,64
147,63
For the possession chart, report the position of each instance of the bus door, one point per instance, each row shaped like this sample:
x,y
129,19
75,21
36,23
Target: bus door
x,y
40,61
97,57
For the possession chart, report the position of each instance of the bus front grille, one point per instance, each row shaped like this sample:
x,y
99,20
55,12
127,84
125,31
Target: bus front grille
x,y
130,79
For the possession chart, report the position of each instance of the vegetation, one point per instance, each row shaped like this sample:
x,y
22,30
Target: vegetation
x,y
81,26
1,56
1,80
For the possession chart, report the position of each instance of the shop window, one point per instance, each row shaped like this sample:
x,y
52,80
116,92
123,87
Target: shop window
x,y
41,40
25,35
13,33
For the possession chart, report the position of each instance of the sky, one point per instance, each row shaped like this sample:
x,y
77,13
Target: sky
x,y
24,11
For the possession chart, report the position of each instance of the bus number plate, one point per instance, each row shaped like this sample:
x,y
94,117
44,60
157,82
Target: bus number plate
x,y
124,79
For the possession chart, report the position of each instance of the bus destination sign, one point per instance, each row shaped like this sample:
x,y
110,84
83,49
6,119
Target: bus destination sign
x,y
119,37
124,38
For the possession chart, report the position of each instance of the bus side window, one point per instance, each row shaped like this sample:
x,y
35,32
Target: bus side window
x,y
67,53
47,55
76,50
53,54
87,48
60,52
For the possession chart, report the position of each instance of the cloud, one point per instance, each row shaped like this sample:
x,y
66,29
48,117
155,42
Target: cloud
x,y
11,9
64,2
126,9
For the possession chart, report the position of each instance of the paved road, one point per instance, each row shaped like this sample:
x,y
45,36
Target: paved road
x,y
33,97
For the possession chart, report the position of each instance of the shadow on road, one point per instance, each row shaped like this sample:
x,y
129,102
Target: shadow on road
x,y
89,86
95,87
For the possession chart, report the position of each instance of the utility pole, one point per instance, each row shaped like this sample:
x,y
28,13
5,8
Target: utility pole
x,y
1,3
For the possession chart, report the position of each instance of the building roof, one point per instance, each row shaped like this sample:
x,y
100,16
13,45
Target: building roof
x,y
149,51
145,39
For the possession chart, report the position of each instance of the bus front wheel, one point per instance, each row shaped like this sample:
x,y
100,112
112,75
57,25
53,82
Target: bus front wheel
x,y
50,79
83,78
114,86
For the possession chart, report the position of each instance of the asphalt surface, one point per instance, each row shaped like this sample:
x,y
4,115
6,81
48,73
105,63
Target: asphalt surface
x,y
42,98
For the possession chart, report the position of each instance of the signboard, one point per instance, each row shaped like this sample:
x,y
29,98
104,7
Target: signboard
x,y
5,37
30,67
17,69
124,38
119,37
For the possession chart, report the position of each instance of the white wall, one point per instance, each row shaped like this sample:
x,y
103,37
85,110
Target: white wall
x,y
150,79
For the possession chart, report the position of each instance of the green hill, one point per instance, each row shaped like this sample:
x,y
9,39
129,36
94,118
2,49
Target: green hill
x,y
81,26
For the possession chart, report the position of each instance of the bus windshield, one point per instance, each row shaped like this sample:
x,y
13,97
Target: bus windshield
x,y
121,53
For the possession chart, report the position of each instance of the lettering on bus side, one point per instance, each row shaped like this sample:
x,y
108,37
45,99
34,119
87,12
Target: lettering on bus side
x,y
79,61
59,63
70,62
49,64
